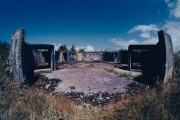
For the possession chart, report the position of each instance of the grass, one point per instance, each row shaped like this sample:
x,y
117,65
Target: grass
x,y
19,102
112,70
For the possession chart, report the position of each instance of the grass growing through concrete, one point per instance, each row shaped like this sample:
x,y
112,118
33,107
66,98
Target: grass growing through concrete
x,y
112,70
19,102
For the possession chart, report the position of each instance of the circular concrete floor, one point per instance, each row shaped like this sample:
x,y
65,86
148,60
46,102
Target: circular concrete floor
x,y
88,86
88,81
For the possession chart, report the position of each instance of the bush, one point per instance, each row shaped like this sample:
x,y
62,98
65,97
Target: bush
x,y
176,64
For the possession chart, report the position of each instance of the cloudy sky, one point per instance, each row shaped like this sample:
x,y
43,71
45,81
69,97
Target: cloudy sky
x,y
92,24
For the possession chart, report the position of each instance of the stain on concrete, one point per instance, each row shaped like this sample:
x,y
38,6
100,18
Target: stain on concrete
x,y
90,86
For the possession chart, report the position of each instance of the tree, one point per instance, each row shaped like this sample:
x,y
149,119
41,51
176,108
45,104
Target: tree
x,y
104,50
81,50
63,48
72,48
122,50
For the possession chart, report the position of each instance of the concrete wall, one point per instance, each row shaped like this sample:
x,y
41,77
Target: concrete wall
x,y
60,57
157,61
120,57
17,55
124,57
109,56
79,57
57,57
24,58
165,56
92,56
89,56
71,56
39,57
42,59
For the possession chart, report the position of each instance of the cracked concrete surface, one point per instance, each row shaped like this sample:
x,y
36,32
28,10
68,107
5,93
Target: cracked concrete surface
x,y
88,86
88,81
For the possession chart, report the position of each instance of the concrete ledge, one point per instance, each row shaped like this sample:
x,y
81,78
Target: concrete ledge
x,y
43,70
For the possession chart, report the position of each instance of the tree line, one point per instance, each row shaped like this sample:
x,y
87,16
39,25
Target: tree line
x,y
64,48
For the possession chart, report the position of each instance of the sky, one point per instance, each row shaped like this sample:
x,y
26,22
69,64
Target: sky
x,y
91,24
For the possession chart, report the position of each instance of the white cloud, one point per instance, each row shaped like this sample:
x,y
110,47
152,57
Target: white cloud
x,y
149,32
144,28
145,35
171,5
173,29
126,43
166,1
77,48
87,48
174,8
146,31
123,43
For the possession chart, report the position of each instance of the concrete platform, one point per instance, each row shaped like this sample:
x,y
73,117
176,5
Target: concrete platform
x,y
88,81
89,86
47,70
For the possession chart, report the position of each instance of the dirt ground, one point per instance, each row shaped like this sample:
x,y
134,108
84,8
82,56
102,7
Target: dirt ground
x,y
88,86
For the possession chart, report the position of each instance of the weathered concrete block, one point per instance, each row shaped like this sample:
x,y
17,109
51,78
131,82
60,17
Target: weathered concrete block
x,y
108,56
38,57
71,57
17,55
79,57
165,56
92,56
57,57
123,57
157,62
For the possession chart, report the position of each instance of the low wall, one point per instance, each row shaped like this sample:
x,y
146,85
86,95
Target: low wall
x,y
93,56
120,57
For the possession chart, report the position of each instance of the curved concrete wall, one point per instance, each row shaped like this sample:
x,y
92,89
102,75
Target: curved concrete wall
x,y
165,55
17,53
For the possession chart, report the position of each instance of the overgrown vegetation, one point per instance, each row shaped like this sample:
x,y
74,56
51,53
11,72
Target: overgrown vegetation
x,y
63,48
72,48
114,71
81,50
20,102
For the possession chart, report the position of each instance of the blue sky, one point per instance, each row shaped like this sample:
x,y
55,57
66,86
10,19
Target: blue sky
x,y
93,24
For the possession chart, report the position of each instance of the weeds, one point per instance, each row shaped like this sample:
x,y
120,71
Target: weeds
x,y
160,103
112,70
